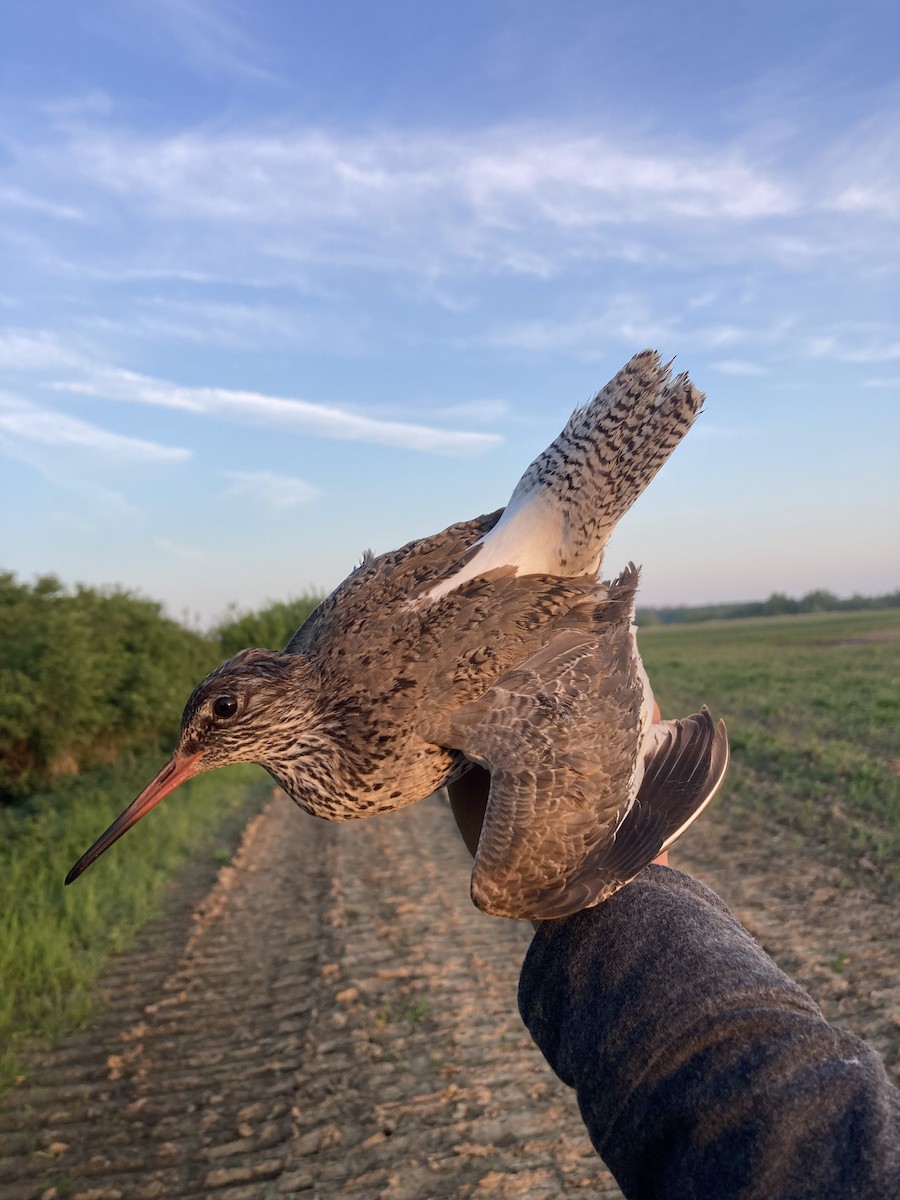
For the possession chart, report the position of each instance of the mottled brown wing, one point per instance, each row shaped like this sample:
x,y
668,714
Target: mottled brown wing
x,y
568,743
397,576
560,737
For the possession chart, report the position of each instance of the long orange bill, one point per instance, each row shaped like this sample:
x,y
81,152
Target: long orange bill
x,y
174,773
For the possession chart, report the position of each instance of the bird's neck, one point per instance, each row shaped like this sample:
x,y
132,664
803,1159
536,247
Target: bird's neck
x,y
312,768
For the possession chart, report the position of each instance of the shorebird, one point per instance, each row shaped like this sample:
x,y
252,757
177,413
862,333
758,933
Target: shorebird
x,y
492,643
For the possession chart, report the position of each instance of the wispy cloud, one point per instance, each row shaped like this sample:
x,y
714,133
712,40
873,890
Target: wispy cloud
x,y
13,197
37,350
738,366
521,200
177,550
275,491
80,105
857,343
514,174
235,325
208,33
437,209
626,320
322,420
864,168
582,336
20,419
867,198
481,412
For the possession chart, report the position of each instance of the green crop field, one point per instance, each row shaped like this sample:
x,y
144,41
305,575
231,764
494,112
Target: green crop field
x,y
813,714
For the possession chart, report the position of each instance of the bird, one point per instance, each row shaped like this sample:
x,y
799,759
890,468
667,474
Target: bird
x,y
492,645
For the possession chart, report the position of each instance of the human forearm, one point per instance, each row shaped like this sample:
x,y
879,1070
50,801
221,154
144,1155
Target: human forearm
x,y
701,1069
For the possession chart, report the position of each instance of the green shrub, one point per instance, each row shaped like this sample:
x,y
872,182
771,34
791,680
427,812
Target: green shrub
x,y
86,676
272,627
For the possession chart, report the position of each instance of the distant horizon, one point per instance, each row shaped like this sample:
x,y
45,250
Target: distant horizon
x,y
236,610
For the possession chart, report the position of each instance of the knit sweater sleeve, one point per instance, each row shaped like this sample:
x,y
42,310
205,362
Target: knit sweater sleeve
x,y
702,1071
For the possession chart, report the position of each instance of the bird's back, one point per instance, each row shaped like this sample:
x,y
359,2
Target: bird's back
x,y
381,586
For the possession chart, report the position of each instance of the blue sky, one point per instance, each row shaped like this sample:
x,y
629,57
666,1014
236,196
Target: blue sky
x,y
283,281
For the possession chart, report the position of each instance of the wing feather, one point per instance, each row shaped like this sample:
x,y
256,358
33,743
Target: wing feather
x,y
584,792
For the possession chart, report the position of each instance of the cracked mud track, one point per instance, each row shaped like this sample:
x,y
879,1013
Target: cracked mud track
x,y
334,1019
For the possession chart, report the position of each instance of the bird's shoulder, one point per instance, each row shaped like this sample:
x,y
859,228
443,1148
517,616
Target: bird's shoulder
x,y
380,585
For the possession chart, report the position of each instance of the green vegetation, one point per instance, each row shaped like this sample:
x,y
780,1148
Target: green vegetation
x,y
272,627
89,676
86,677
813,715
407,1007
55,941
92,685
777,605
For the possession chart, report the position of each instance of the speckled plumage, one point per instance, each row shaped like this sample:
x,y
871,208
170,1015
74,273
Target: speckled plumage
x,y
492,642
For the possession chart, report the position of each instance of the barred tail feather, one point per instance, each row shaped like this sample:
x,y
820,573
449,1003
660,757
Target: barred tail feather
x,y
566,505
608,453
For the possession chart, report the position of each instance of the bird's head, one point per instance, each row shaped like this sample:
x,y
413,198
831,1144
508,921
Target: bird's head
x,y
247,710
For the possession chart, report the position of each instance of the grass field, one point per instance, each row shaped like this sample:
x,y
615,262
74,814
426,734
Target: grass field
x,y
55,941
812,706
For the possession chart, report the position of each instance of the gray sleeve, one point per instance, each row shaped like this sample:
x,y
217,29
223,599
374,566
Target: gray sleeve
x,y
702,1071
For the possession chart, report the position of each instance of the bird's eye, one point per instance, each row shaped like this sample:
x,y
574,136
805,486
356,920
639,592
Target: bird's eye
x,y
224,707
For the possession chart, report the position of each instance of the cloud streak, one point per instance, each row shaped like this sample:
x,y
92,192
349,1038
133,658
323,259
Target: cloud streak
x,y
509,175
234,325
738,366
301,416
521,200
857,343
208,35
13,197
20,419
624,319
275,491
306,206
180,552
37,350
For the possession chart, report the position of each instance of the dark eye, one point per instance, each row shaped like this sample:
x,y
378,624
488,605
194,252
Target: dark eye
x,y
224,707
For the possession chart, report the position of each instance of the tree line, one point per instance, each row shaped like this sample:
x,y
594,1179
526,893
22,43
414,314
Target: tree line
x,y
777,605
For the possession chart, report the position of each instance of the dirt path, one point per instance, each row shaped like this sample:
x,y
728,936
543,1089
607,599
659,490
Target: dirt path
x,y
336,1020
